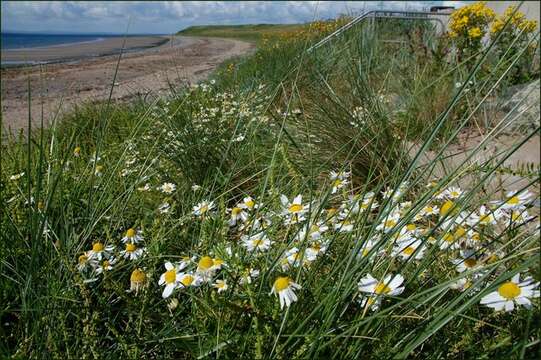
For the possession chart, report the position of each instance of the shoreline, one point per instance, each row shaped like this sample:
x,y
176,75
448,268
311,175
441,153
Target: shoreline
x,y
62,53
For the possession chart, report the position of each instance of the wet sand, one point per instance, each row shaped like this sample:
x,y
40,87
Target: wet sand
x,y
146,73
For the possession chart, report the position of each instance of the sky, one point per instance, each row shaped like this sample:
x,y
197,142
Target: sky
x,y
165,17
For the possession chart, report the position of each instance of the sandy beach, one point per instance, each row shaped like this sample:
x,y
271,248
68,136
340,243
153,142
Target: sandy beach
x,y
150,66
81,50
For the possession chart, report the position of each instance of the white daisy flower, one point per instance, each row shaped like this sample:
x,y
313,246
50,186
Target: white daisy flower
x,y
167,188
516,200
344,226
292,258
203,208
147,187
284,287
453,192
85,262
314,231
248,203
164,208
170,278
207,266
429,210
98,171
339,180
366,247
486,217
519,217
258,242
468,262
189,279
396,193
512,292
317,248
407,249
237,213
248,276
388,223
461,284
293,211
449,241
16,176
100,251
137,280
106,265
221,285
375,289
132,251
132,236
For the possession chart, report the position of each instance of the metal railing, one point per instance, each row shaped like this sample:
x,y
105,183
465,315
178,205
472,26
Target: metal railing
x,y
396,14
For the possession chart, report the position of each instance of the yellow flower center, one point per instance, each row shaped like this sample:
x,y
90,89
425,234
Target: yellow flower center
x,y
516,216
77,150
187,280
204,208
459,232
249,203
365,252
130,233
331,211
99,168
281,283
137,276
411,227
513,201
235,211
381,288
105,264
429,209
409,250
295,208
97,247
170,276
83,259
449,238
337,183
469,263
485,219
217,262
130,247
205,263
314,228
509,290
446,207
390,223
257,242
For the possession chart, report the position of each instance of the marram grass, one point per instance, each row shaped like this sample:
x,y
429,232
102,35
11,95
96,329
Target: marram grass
x,y
277,214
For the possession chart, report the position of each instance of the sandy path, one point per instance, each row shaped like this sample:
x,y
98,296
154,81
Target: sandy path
x,y
143,73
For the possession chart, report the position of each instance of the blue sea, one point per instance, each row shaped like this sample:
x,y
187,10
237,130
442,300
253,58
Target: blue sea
x,y
24,41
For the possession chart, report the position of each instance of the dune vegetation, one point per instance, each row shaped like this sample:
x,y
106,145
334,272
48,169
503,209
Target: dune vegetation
x,y
298,204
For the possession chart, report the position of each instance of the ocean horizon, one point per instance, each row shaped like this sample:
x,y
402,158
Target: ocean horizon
x,y
14,41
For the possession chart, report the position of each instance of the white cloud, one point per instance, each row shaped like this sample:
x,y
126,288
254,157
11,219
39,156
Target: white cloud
x,y
170,16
